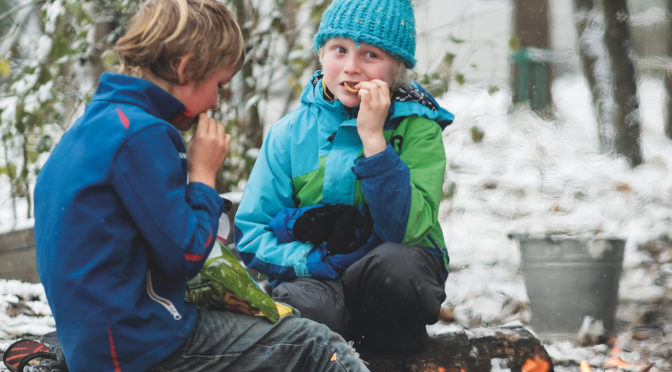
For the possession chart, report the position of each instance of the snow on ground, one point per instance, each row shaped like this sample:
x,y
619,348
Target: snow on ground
x,y
538,177
529,176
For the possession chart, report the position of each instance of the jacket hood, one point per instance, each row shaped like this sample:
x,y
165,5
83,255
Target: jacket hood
x,y
407,100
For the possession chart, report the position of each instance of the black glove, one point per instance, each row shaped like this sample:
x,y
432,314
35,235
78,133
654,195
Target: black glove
x,y
344,228
351,231
316,224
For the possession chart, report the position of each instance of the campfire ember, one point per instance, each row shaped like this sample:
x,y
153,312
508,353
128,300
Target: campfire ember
x,y
585,367
536,365
614,363
615,360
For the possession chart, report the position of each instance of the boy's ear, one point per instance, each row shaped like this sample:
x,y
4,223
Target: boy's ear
x,y
182,64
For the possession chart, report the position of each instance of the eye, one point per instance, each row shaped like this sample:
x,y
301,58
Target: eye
x,y
340,50
223,90
372,55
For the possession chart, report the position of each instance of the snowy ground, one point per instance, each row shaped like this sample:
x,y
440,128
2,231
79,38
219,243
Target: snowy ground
x,y
536,177
529,176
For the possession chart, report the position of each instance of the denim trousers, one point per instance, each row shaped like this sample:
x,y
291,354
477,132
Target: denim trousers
x,y
228,341
381,302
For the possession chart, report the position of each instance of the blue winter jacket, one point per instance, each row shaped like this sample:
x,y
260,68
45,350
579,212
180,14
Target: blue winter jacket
x,y
314,155
119,231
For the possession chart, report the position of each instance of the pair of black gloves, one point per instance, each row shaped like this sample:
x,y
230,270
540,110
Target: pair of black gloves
x,y
344,228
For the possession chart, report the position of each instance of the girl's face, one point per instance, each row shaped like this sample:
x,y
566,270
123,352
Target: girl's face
x,y
343,62
202,95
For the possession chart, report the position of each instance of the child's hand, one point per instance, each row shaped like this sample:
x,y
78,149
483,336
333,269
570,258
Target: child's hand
x,y
207,150
374,98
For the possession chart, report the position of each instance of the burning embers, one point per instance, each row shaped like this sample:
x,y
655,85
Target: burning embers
x,y
615,360
536,365
613,364
616,364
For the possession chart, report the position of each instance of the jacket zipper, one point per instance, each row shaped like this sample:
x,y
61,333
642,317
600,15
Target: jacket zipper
x,y
160,300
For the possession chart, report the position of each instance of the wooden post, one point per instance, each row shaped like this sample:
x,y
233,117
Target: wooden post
x,y
532,76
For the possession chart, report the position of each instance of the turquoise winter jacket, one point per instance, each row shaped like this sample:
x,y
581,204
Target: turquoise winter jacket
x,y
314,155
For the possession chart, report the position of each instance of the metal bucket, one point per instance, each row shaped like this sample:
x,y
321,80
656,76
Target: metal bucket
x,y
568,279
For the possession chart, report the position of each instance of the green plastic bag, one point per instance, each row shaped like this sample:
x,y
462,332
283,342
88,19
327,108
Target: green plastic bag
x,y
223,274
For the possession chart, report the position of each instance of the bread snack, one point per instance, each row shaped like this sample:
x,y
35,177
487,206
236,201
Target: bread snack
x,y
350,88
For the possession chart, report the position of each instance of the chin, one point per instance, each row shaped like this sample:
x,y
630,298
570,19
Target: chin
x,y
349,101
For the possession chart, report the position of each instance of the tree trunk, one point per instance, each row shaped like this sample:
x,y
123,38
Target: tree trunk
x,y
592,53
532,75
624,84
668,75
668,99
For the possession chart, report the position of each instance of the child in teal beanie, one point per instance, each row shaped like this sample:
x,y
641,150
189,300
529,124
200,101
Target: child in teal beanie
x,y
341,208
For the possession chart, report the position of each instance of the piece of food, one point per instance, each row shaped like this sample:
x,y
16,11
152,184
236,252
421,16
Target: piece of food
x,y
223,283
349,88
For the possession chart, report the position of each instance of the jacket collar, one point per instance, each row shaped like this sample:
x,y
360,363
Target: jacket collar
x,y
143,93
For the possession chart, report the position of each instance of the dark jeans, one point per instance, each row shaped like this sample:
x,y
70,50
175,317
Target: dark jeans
x,y
383,301
228,341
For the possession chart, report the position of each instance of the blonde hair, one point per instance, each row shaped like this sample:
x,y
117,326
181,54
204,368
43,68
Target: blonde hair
x,y
164,31
400,77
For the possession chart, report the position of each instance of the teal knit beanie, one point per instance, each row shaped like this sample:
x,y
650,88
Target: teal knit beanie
x,y
387,24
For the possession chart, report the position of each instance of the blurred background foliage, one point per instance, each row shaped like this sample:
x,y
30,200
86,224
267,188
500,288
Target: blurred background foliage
x,y
53,51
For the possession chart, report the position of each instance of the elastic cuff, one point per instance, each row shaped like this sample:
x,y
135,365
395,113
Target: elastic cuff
x,y
376,164
200,193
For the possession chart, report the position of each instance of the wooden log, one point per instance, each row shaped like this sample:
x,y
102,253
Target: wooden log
x,y
468,350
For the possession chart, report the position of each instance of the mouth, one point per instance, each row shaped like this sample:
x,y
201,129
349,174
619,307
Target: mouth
x,y
350,86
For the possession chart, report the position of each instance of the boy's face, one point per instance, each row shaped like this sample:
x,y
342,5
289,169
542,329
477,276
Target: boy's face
x,y
202,95
344,62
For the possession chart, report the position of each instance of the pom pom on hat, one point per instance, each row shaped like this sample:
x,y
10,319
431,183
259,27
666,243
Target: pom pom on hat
x,y
387,24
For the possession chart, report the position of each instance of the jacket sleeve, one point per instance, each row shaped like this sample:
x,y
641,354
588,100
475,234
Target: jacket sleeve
x,y
404,190
268,191
178,220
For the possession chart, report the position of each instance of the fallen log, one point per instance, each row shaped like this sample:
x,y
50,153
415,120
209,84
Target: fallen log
x,y
480,349
474,350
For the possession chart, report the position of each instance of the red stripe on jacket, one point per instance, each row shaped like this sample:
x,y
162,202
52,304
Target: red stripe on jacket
x,y
198,257
123,117
113,351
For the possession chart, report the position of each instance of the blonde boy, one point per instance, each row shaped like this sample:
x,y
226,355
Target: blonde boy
x,y
348,230
126,213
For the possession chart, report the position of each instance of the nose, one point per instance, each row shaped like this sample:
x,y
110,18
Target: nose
x,y
351,64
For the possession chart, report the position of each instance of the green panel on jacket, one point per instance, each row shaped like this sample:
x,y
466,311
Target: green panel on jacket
x,y
423,228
